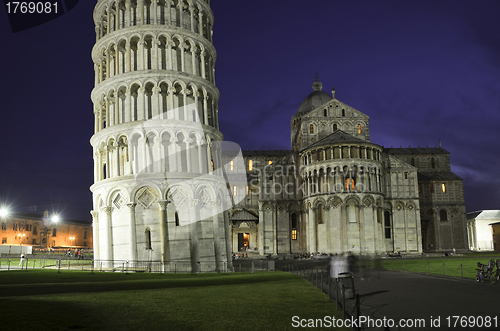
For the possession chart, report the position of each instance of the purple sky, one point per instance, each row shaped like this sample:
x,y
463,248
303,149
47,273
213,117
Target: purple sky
x,y
423,71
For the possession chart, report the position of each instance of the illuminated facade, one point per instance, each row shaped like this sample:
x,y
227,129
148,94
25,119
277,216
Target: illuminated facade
x,y
337,192
158,189
40,232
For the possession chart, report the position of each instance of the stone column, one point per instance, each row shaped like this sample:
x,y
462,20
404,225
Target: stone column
x,y
165,249
180,6
127,15
200,22
140,10
205,109
95,233
155,100
107,238
140,104
133,236
202,59
191,10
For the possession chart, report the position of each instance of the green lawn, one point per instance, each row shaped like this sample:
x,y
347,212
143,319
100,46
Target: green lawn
x,y
450,266
47,300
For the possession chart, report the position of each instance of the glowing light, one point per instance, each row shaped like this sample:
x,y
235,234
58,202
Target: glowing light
x,y
4,212
55,218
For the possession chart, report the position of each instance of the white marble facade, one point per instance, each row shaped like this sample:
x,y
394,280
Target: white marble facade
x,y
159,192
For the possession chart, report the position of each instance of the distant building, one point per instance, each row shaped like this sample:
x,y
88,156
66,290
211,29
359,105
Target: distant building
x,y
483,230
337,192
39,231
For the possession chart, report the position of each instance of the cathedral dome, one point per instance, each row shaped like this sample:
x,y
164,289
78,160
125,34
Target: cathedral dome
x,y
314,100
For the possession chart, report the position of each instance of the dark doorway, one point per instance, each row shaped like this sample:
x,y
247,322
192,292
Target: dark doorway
x,y
243,241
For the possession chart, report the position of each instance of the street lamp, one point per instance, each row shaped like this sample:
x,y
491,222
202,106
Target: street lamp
x,y
21,237
71,238
4,212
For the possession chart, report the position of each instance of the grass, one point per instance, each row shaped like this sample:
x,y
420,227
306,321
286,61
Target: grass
x,y
450,266
46,300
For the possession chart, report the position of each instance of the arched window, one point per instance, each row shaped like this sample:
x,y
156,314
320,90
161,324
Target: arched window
x,y
294,225
443,215
343,112
232,165
335,128
359,128
349,184
433,163
412,161
319,214
311,128
148,239
324,112
387,224
177,222
250,165
443,187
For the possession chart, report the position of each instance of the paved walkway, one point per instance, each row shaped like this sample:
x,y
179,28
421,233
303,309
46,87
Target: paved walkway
x,y
401,295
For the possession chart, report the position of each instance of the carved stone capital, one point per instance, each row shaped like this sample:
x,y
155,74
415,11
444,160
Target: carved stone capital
x,y
163,204
95,215
107,210
131,206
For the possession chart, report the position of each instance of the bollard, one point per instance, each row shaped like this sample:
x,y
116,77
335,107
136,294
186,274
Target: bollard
x,y
428,267
444,269
415,266
403,265
462,269
59,268
92,268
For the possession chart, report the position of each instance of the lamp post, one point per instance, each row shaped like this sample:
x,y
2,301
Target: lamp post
x,y
71,238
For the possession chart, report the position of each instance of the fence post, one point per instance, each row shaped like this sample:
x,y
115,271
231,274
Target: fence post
x,y
329,288
343,301
337,293
59,267
428,267
403,265
358,306
462,270
8,265
415,266
444,269
92,268
392,264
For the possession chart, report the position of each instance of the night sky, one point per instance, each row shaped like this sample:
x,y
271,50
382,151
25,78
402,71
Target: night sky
x,y
424,71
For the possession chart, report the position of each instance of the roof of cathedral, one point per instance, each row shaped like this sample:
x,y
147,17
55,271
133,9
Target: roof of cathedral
x,y
244,215
484,215
437,175
267,152
337,137
314,100
418,150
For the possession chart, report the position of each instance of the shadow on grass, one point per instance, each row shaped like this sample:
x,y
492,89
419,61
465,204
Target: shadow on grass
x,y
63,283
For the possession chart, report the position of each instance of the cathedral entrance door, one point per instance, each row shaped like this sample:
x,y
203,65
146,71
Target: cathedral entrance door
x,y
243,241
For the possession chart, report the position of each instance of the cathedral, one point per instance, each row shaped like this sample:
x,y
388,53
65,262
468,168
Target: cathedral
x,y
168,189
335,191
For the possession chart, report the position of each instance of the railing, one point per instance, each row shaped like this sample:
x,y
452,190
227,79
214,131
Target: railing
x,y
65,263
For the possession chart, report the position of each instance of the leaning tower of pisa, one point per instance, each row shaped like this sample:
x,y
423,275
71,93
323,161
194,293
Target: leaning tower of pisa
x,y
159,193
